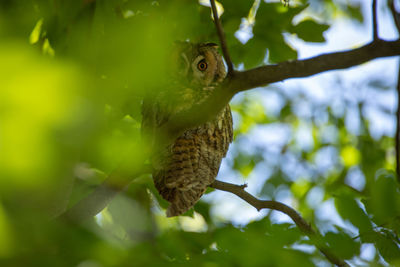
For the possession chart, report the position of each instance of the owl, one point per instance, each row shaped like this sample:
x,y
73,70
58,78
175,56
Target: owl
x,y
183,170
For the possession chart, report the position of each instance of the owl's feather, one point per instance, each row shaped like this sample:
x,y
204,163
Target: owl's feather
x,y
184,169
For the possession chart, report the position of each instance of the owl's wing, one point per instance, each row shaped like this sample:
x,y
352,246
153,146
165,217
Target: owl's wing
x,y
183,170
158,108
154,114
148,119
156,111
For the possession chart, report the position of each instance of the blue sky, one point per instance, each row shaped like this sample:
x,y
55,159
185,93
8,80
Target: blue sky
x,y
334,87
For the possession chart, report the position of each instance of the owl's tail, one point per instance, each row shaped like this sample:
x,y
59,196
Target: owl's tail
x,y
182,201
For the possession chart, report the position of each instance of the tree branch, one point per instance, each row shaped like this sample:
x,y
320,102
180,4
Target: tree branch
x,y
209,108
396,18
374,20
307,67
275,205
221,96
261,76
395,14
264,204
222,39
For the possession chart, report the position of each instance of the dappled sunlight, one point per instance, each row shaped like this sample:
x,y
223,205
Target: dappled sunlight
x,y
38,98
75,168
195,224
7,241
350,156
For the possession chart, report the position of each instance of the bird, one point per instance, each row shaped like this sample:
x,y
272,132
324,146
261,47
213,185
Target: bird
x,y
184,169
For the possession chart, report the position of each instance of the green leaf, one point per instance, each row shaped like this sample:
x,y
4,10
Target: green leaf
x,y
245,163
355,12
387,247
189,213
35,34
272,20
385,199
310,31
342,244
255,53
259,245
281,52
234,12
203,208
349,209
375,159
162,202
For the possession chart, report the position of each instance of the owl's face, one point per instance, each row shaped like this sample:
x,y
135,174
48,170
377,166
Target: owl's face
x,y
199,64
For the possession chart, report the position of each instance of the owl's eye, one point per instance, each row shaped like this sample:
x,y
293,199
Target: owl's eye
x,y
202,65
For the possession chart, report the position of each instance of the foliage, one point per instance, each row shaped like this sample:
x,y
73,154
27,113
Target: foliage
x,y
73,74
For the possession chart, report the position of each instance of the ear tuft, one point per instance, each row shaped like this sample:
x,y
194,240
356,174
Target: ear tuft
x,y
212,45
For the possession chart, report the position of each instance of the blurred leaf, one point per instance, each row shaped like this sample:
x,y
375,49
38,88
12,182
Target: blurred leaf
x,y
204,209
245,163
374,160
349,209
242,246
35,34
350,155
354,10
310,31
7,241
252,113
256,51
44,109
300,187
278,53
388,248
379,84
271,20
73,76
189,213
234,12
161,201
342,244
385,199
47,48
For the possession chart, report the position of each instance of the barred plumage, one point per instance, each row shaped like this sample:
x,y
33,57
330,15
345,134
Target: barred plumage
x,y
183,170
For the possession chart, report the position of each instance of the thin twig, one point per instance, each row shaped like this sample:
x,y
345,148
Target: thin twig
x,y
397,137
266,74
396,15
396,18
222,39
260,76
242,81
275,205
263,204
374,20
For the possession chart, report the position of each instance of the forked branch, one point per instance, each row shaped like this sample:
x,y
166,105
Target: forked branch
x,y
241,81
374,20
221,36
261,76
264,204
275,205
395,14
